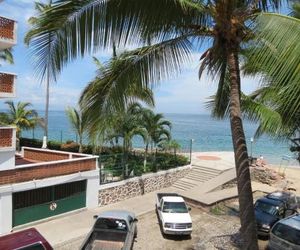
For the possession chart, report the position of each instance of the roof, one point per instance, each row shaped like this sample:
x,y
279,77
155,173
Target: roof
x,y
22,238
274,202
173,198
292,221
279,195
117,214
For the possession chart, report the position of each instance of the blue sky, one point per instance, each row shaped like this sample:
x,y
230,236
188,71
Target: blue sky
x,y
182,94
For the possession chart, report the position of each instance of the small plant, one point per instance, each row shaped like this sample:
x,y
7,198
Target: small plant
x,y
217,210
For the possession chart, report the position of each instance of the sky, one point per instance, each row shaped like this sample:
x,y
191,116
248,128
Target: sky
x,y
184,93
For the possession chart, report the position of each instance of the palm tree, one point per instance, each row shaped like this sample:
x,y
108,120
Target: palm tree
x,y
6,56
126,125
170,145
21,117
168,35
79,123
156,128
101,98
275,105
43,55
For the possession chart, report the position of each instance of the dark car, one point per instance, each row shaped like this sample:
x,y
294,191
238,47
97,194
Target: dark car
x,y
29,239
273,207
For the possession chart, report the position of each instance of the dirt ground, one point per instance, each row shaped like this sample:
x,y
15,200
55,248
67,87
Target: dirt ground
x,y
209,232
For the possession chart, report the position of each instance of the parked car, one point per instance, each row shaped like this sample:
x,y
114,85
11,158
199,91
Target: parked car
x,y
285,234
273,207
173,214
29,239
113,230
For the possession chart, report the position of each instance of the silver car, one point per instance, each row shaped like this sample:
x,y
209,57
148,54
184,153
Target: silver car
x,y
285,234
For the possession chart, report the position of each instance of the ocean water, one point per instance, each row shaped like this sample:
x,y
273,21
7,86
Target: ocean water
x,y
208,135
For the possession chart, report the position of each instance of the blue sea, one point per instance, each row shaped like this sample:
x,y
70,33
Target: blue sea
x,y
208,135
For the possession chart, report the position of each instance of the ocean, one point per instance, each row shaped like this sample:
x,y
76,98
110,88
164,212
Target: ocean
x,y
208,135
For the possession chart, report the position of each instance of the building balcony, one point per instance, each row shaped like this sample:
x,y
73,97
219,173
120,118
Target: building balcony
x,y
7,138
7,85
37,164
8,33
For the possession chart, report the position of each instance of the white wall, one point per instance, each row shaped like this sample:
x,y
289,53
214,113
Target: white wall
x,y
7,160
5,212
6,192
92,190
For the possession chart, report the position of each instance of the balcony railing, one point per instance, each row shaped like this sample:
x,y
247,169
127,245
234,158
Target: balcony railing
x,y
36,164
7,85
7,32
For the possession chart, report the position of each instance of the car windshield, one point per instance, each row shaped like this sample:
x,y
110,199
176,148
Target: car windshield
x,y
287,233
110,223
266,207
175,207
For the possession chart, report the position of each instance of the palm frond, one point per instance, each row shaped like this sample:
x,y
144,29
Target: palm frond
x,y
279,57
73,28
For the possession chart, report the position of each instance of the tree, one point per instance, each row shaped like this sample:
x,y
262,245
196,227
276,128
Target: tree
x,y
171,145
126,125
275,105
21,116
167,36
42,54
78,122
156,128
6,56
101,98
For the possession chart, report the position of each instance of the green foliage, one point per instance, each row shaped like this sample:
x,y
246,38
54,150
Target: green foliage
x,y
6,56
161,161
35,143
26,142
21,116
217,209
70,147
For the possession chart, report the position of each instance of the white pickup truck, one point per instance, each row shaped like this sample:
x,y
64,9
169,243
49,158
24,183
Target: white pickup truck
x,y
173,214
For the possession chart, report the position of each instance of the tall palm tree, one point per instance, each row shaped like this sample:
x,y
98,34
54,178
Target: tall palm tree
x,y
43,55
6,56
156,128
276,104
126,125
78,120
167,37
21,116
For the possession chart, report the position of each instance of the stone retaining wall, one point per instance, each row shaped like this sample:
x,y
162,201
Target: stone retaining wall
x,y
118,191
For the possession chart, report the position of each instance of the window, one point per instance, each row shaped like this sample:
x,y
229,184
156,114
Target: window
x,y
287,233
174,207
111,223
267,208
35,246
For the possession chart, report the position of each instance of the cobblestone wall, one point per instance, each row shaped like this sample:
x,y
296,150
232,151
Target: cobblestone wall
x,y
118,191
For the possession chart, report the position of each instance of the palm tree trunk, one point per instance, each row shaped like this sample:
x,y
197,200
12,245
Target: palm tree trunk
x,y
145,156
80,144
247,217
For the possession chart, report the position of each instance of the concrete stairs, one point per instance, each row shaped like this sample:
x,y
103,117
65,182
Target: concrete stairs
x,y
196,177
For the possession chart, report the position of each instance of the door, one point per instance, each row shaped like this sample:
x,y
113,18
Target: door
x,y
45,202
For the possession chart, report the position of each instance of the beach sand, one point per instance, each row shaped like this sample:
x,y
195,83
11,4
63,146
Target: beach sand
x,y
224,160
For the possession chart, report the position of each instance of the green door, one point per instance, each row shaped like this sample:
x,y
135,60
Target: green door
x,y
45,202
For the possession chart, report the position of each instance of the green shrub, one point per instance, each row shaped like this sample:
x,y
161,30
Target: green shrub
x,y
54,145
34,143
70,147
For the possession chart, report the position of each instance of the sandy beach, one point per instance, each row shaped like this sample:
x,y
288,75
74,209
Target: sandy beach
x,y
224,160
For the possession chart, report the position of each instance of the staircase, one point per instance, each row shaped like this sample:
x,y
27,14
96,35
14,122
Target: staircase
x,y
196,176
